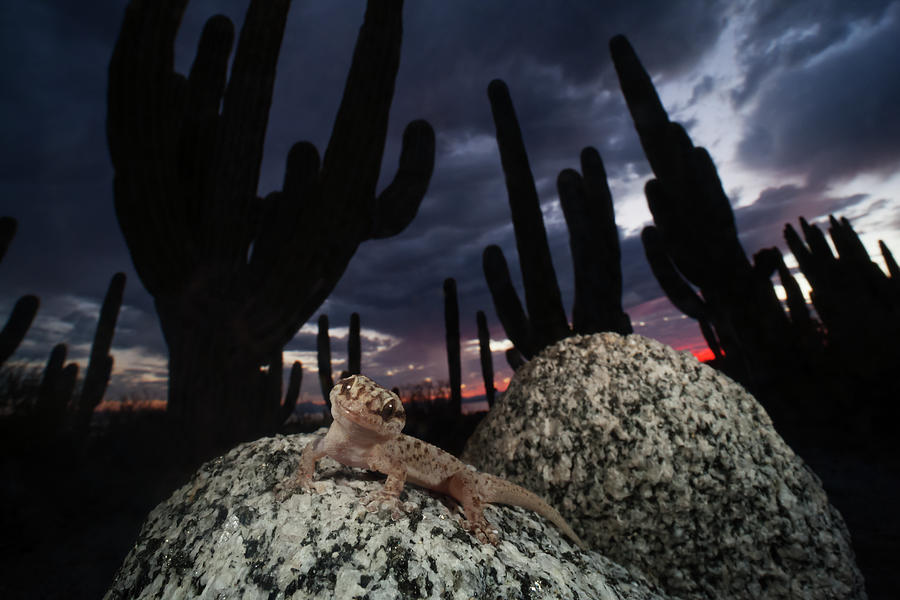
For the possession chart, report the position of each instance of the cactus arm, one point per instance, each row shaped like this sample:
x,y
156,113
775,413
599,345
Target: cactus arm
x,y
398,204
594,241
677,290
245,115
542,296
8,227
892,267
25,308
686,199
17,325
506,301
57,384
293,391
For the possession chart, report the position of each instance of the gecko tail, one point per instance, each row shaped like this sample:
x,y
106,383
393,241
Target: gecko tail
x,y
500,491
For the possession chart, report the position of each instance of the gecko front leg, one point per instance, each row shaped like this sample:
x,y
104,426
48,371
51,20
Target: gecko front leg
x,y
389,495
312,453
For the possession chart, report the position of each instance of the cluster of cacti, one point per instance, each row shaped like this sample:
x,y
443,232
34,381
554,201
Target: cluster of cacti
x,y
593,238
857,303
25,308
234,276
784,358
58,379
323,355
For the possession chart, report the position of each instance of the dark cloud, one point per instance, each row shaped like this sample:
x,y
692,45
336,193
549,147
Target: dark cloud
x,y
786,35
834,116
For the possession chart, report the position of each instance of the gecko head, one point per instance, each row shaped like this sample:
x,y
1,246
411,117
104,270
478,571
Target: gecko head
x,y
360,401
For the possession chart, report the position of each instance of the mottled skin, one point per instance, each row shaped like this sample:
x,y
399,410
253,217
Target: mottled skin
x,y
368,419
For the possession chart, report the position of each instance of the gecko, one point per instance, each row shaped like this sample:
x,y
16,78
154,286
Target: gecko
x,y
366,433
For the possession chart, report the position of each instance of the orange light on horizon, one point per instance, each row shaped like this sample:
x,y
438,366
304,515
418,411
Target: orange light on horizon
x,y
703,355
111,406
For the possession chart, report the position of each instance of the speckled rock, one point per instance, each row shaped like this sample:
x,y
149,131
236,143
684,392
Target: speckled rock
x,y
664,464
224,535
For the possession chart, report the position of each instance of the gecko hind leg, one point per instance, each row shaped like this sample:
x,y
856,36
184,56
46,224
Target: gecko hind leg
x,y
463,487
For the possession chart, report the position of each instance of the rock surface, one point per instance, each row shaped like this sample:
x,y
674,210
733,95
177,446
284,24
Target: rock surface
x,y
665,465
224,535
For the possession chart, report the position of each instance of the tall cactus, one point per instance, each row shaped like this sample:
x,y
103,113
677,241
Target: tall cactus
x,y
323,354
698,234
100,364
186,176
23,311
451,329
354,347
593,238
487,361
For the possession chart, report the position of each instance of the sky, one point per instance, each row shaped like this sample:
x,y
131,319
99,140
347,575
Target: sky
x,y
795,101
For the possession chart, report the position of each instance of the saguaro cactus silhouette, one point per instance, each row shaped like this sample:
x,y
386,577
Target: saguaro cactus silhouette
x,y
593,238
234,276
696,234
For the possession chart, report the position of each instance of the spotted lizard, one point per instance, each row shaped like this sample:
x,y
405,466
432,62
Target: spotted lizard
x,y
366,433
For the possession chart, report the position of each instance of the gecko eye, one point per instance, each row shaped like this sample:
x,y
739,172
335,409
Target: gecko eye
x,y
388,410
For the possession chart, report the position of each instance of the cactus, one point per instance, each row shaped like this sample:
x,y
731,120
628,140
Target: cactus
x,y
698,234
271,383
25,308
323,353
893,268
100,364
293,391
594,241
451,328
55,392
354,347
593,238
234,276
487,361
858,304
